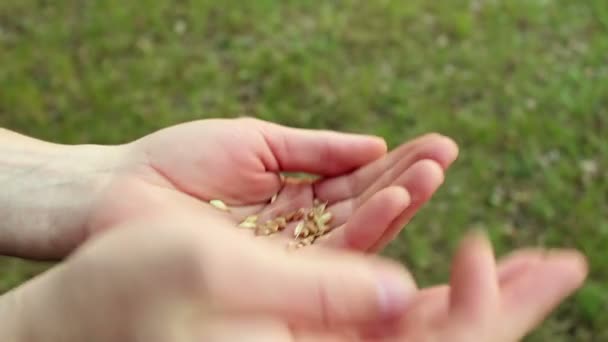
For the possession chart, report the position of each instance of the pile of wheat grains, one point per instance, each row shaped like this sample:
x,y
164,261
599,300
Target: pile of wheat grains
x,y
311,223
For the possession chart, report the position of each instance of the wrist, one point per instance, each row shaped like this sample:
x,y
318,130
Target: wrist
x,y
48,191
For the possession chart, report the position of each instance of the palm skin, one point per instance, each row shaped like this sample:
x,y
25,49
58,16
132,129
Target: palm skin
x,y
371,194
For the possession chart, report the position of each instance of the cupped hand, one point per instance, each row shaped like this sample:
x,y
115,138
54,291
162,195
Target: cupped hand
x,y
371,194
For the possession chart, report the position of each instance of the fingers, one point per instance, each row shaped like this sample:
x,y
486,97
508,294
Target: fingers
x,y
518,263
434,302
421,182
532,283
528,298
319,152
431,146
368,223
324,289
474,286
427,172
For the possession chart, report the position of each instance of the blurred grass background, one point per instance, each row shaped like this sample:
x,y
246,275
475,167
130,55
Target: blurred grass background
x,y
522,85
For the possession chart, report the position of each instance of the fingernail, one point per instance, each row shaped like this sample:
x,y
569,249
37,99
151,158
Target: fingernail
x,y
395,291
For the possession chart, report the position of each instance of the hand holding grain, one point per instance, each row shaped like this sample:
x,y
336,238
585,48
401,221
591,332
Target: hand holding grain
x,y
370,194
57,196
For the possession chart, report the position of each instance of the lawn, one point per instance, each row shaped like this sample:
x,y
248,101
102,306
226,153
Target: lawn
x,y
521,85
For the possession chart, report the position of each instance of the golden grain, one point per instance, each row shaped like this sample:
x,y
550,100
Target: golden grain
x,y
249,222
312,223
219,205
248,225
299,228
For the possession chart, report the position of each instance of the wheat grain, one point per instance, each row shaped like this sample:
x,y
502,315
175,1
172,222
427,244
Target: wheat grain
x,y
312,223
219,205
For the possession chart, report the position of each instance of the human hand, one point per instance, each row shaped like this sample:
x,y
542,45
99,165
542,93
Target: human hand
x,y
150,282
371,195
484,301
56,196
184,278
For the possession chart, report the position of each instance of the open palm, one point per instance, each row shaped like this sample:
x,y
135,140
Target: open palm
x,y
185,284
484,301
371,194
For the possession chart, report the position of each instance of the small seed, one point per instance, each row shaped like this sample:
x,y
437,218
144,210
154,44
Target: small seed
x,y
299,228
325,218
289,217
312,227
323,230
320,208
318,223
273,227
249,222
305,232
264,229
309,240
251,218
296,215
219,205
281,221
248,225
300,213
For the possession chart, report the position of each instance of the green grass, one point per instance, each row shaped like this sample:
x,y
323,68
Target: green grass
x,y
522,86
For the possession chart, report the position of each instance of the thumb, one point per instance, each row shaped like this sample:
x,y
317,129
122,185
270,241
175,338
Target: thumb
x,y
319,152
474,286
321,288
